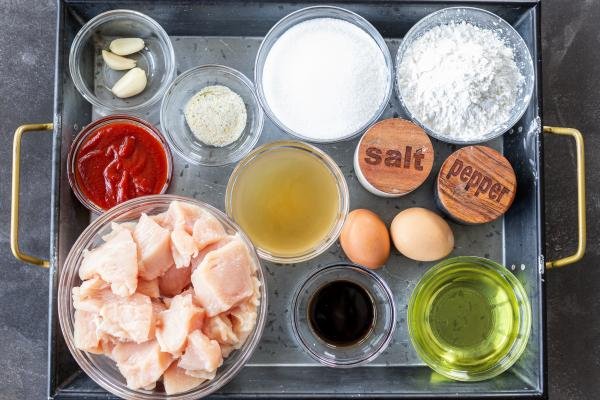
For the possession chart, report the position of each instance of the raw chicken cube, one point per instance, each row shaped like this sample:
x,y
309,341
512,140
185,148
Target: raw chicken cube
x,y
141,364
243,320
128,318
202,374
92,295
217,245
183,248
175,280
174,324
116,262
149,288
182,215
202,355
86,334
219,328
154,247
176,380
223,279
207,230
116,227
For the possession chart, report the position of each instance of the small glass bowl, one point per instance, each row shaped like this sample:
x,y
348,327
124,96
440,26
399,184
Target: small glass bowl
x,y
93,78
177,131
344,198
486,20
92,128
309,13
471,361
101,368
369,347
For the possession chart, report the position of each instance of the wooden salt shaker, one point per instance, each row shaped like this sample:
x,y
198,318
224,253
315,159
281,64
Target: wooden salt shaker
x,y
475,185
393,158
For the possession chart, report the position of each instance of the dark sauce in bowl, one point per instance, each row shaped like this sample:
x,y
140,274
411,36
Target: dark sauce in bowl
x,y
341,313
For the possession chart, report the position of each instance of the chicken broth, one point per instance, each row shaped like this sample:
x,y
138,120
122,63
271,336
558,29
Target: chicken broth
x,y
286,200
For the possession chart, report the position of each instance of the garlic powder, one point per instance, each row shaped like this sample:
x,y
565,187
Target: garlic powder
x,y
216,115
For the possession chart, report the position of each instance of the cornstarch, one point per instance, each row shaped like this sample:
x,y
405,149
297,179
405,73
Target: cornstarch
x,y
460,80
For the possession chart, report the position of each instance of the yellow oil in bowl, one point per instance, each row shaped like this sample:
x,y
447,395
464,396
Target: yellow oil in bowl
x,y
469,318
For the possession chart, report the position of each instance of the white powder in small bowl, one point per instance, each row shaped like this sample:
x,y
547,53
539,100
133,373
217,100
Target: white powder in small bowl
x,y
459,80
216,115
325,78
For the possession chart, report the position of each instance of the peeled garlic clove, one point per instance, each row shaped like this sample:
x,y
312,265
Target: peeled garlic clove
x,y
117,62
126,46
130,84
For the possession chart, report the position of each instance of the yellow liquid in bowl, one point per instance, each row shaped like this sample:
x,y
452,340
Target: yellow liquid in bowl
x,y
286,200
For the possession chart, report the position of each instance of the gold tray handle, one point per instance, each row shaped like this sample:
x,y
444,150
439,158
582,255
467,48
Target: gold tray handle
x,y
581,231
16,183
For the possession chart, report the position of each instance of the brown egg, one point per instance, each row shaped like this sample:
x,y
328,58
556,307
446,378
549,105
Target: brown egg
x,y
421,234
365,239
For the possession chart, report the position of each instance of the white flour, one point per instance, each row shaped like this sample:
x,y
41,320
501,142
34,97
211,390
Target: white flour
x,y
460,80
325,78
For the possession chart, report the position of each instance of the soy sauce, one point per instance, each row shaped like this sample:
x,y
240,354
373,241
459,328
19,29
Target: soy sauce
x,y
341,313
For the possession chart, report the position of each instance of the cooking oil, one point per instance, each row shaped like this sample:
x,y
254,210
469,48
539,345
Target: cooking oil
x,y
286,199
467,317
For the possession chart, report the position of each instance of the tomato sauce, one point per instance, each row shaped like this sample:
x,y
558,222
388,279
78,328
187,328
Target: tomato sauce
x,y
120,161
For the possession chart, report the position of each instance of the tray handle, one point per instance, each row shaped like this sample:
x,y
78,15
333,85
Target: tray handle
x,y
16,183
581,230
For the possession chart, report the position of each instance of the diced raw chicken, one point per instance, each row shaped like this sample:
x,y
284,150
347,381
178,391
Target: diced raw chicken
x,y
183,247
162,219
207,230
128,318
182,215
86,333
223,279
175,280
154,247
217,245
243,320
141,364
174,324
116,262
176,380
202,374
116,227
219,328
149,288
202,355
91,297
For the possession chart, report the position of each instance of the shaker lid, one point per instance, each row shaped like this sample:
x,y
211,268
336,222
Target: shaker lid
x,y
476,184
395,156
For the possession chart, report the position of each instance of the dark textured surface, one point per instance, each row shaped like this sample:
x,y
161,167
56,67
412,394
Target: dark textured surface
x,y
571,68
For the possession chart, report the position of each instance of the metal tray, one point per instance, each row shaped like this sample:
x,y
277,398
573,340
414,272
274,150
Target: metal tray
x,y
229,33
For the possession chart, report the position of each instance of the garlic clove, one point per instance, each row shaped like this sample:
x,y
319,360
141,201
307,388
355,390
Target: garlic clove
x,y
130,84
117,62
126,46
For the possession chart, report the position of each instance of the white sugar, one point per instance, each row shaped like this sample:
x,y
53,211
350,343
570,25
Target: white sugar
x,y
325,78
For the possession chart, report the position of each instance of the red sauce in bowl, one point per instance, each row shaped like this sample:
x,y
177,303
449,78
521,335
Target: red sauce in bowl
x,y
120,160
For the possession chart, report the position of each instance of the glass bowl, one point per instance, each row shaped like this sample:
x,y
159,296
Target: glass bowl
x,y
102,369
486,20
330,237
368,348
93,78
504,322
177,131
302,15
92,128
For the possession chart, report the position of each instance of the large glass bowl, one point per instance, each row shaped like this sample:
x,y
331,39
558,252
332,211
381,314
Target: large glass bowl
x,y
486,20
306,14
448,286
179,134
93,78
102,369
